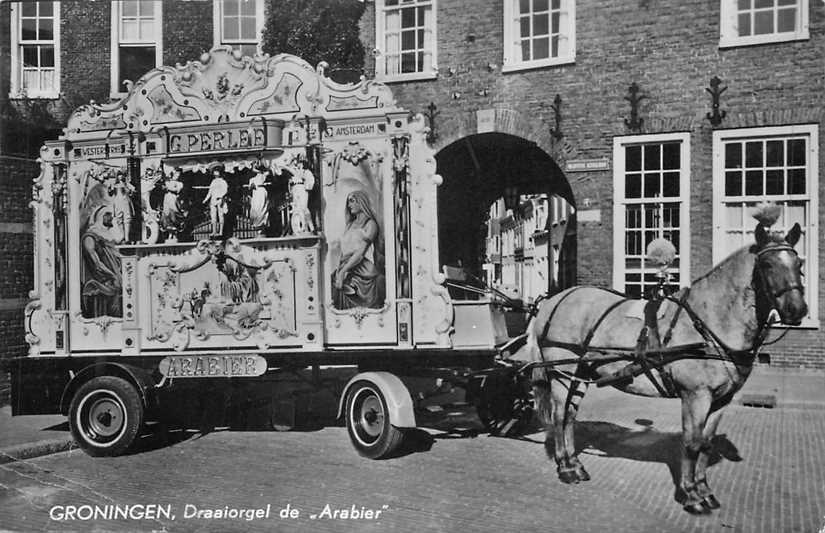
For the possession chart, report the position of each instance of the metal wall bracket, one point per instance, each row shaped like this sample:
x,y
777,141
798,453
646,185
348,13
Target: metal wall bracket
x,y
634,123
715,115
431,114
555,132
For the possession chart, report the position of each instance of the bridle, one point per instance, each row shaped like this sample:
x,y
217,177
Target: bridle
x,y
775,295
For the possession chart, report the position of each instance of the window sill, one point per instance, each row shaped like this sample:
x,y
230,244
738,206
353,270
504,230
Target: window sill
x,y
556,62
50,95
398,78
763,39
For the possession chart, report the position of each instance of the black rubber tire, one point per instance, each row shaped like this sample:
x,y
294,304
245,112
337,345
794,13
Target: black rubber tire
x,y
105,416
368,422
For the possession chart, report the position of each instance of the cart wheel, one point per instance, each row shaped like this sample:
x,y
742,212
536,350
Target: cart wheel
x,y
504,403
105,416
368,422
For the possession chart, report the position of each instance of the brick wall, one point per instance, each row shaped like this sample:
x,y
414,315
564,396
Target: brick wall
x,y
15,256
670,48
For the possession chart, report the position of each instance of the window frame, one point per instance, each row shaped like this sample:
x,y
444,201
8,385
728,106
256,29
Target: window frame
x,y
509,64
620,202
728,37
114,72
16,89
380,40
811,268
217,26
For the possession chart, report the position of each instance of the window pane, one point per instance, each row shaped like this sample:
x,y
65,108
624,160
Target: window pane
x,y
733,184
408,40
774,154
540,5
147,8
248,29
733,155
796,152
46,9
524,6
408,62
796,181
524,27
30,56
130,30
633,157
555,46
525,50
147,30
541,50
760,4
230,29
670,185
786,20
135,61
744,24
652,157
230,8
540,24
129,8
633,186
29,9
248,7
670,156
753,154
29,29
46,56
753,182
651,183
774,182
763,22
408,17
45,30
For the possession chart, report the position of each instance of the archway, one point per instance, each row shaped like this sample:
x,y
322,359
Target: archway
x,y
481,170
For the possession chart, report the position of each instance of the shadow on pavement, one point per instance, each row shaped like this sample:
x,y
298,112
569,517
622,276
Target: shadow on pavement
x,y
645,444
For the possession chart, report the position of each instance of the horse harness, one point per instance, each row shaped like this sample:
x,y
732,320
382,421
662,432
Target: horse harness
x,y
650,352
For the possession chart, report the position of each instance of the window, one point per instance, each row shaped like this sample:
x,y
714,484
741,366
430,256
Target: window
x,y
745,22
35,32
651,184
405,39
239,23
137,45
538,33
767,164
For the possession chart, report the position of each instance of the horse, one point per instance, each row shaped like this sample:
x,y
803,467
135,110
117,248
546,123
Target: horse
x,y
697,344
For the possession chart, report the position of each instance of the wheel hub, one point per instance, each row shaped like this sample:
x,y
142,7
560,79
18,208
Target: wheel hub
x,y
105,417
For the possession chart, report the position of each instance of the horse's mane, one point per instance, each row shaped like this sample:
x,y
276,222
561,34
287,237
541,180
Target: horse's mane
x,y
773,238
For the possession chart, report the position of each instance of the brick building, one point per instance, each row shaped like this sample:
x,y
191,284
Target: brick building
x,y
603,104
636,163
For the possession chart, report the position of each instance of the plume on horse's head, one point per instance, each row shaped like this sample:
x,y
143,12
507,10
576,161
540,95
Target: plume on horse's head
x,y
766,214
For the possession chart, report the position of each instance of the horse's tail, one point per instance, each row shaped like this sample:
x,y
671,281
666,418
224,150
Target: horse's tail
x,y
530,351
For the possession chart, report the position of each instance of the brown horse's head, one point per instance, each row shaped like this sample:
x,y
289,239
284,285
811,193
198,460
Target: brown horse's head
x,y
779,273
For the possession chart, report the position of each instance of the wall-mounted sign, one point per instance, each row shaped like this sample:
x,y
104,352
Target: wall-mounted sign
x,y
485,120
587,165
99,151
212,366
218,140
344,131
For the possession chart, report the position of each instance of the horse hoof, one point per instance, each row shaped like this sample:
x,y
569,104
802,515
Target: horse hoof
x,y
696,508
583,474
568,475
711,502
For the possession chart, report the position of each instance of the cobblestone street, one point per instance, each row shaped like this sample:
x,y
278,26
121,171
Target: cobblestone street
x,y
452,482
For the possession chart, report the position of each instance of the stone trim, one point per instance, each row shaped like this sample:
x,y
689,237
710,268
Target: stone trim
x,y
15,227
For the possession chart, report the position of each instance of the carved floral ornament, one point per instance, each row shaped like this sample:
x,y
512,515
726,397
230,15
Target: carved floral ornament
x,y
225,86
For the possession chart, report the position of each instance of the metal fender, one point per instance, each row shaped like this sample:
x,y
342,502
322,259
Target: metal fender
x,y
399,401
140,378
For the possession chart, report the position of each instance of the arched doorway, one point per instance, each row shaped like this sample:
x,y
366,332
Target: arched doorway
x,y
506,214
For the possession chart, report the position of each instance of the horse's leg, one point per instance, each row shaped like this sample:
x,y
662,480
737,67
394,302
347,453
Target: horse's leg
x,y
695,409
575,394
565,404
546,407
702,461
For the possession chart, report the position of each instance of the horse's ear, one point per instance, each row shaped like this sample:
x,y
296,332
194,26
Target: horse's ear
x,y
793,236
761,235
